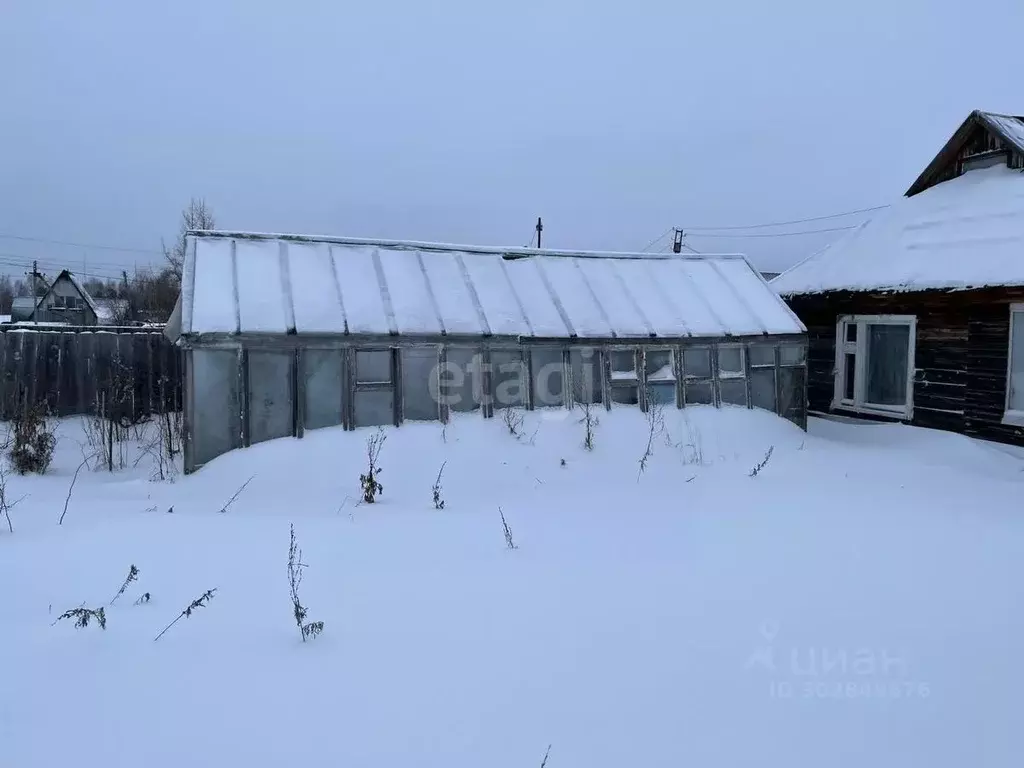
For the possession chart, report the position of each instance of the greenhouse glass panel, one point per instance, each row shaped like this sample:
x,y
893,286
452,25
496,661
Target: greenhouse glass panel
x,y
508,379
548,377
270,396
324,385
420,377
216,421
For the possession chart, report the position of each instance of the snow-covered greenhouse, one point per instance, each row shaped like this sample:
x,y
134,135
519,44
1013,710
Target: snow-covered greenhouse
x,y
285,333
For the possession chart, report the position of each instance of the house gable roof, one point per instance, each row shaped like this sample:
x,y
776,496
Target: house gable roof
x,y
1009,128
237,282
66,275
964,233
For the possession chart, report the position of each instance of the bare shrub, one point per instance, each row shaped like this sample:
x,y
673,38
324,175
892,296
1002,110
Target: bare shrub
x,y
159,445
83,616
295,565
71,488
368,481
6,505
509,542
143,599
589,421
655,427
763,463
513,420
34,439
196,604
692,446
435,490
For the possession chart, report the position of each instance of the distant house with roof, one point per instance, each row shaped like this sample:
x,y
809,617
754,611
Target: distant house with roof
x,y
918,314
66,301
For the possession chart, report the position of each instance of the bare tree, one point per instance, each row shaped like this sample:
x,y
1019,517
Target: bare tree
x,y
198,215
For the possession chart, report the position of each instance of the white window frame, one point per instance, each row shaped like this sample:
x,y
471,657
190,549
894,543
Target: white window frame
x,y
859,350
1010,416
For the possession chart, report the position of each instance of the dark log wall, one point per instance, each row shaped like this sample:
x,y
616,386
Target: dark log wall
x,y
961,355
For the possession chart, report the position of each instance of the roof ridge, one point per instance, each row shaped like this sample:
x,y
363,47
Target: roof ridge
x,y
507,251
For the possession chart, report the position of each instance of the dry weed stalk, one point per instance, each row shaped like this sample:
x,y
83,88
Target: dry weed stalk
x,y
196,604
368,481
295,565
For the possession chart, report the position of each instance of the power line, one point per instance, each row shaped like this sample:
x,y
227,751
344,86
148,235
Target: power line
x,y
14,260
791,221
79,245
776,234
657,239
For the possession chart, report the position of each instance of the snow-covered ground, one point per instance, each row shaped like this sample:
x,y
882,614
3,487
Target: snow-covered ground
x,y
857,603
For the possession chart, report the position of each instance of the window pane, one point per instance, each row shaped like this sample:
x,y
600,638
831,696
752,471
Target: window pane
x,y
761,354
625,395
547,377
762,388
851,331
623,364
697,363
508,379
849,372
792,354
662,393
216,422
270,396
700,393
322,371
730,360
658,365
460,379
733,391
1016,400
887,348
419,383
585,370
374,407
373,366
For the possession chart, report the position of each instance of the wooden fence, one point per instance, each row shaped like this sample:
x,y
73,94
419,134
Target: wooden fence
x,y
127,372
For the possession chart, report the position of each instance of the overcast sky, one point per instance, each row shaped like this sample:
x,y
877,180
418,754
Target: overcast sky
x,y
463,120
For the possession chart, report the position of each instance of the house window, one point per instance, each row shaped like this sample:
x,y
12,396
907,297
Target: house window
x,y
984,160
1015,367
875,364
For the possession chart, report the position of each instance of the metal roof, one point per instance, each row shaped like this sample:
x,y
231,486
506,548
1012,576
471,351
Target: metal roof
x,y
237,282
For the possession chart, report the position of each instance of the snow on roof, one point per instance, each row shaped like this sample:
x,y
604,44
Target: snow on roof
x,y
242,282
1009,126
967,232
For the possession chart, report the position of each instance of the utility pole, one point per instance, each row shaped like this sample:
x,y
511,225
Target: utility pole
x,y
36,279
130,310
677,241
540,228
